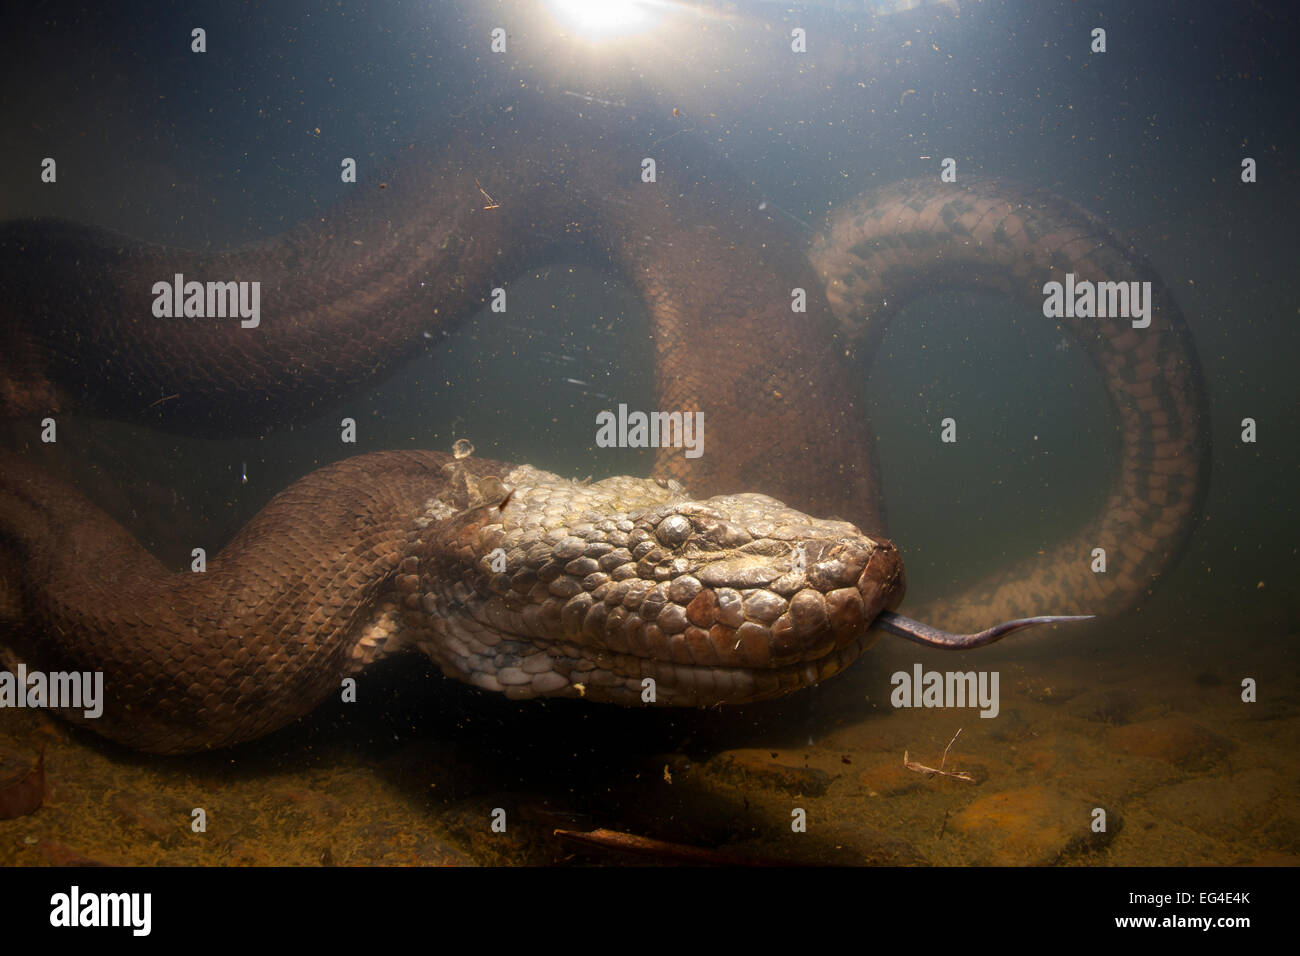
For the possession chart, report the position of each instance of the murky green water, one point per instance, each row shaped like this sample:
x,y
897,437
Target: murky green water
x,y
1141,716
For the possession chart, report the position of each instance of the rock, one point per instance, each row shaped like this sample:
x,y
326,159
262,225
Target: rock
x,y
1282,831
773,770
1228,808
1274,858
1153,841
53,853
1105,705
389,844
1030,826
1176,740
163,818
888,777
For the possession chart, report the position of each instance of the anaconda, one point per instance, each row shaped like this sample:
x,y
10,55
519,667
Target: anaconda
x,y
339,569
510,578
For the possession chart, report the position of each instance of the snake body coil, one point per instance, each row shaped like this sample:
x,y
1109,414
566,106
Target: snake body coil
x,y
604,586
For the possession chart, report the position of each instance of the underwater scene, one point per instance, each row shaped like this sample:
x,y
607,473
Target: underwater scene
x,y
567,433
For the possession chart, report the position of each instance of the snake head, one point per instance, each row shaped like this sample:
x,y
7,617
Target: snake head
x,y
629,591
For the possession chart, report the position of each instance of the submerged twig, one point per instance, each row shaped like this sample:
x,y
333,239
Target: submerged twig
x,y
912,765
491,203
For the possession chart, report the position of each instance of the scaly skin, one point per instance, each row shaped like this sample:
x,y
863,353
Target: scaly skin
x,y
894,243
353,293
726,600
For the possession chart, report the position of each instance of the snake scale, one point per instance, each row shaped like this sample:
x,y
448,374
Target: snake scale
x,y
714,596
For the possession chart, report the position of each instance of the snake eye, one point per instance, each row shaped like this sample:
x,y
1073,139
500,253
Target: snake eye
x,y
673,530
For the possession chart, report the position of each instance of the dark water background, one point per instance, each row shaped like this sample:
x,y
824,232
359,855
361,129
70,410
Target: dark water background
x,y
243,142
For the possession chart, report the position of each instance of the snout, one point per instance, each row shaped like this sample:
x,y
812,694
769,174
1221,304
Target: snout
x,y
846,585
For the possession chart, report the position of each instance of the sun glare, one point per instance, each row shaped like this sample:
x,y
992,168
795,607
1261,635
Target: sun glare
x,y
602,19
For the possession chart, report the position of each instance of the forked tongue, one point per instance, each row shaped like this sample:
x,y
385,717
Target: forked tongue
x,y
933,637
